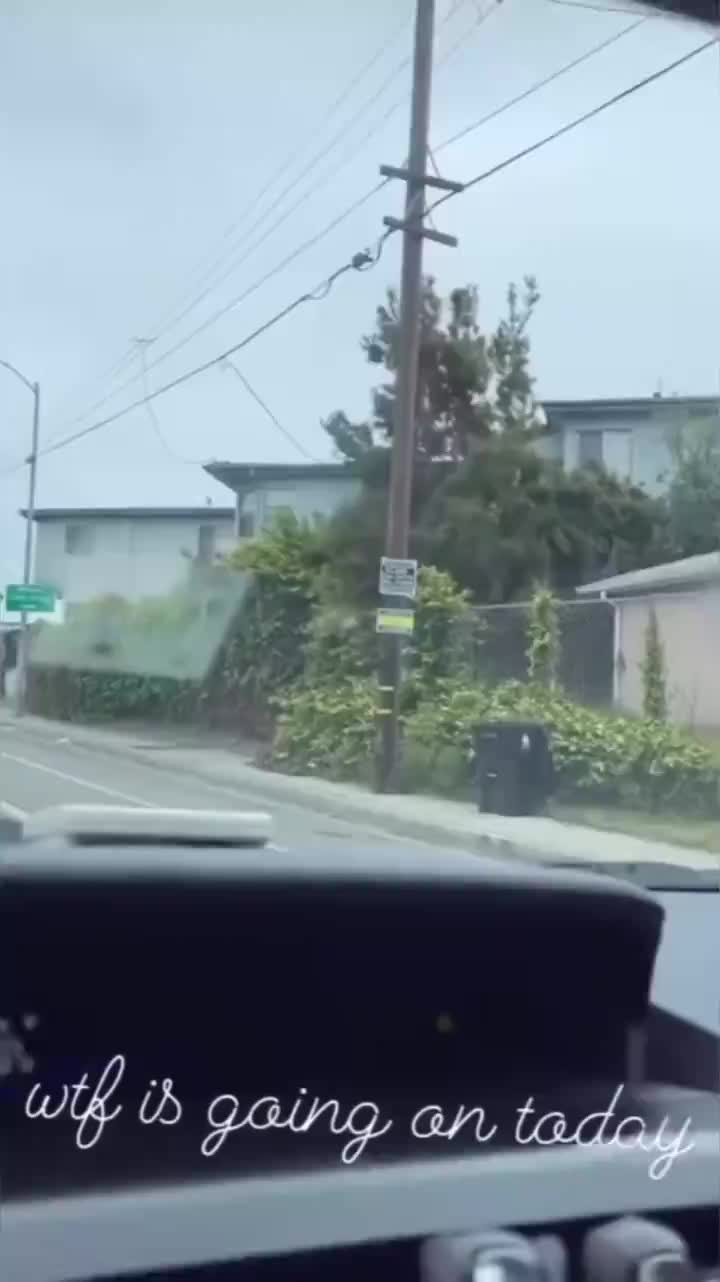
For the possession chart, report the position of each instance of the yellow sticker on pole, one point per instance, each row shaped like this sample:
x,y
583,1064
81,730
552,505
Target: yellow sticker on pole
x,y
398,623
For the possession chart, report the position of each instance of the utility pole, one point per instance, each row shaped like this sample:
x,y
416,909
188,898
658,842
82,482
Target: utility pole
x,y
403,444
23,660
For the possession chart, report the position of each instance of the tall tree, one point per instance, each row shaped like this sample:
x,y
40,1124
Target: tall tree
x,y
469,385
694,493
653,671
352,441
486,507
510,359
509,518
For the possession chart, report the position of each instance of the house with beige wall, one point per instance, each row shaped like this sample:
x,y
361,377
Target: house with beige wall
x,y
685,596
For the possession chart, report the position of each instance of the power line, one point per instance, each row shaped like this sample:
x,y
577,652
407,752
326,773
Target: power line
x,y
202,270
481,17
359,262
266,408
338,138
449,53
367,259
9,469
540,84
599,8
240,298
148,397
335,141
291,159
452,10
13,468
142,345
576,122
347,158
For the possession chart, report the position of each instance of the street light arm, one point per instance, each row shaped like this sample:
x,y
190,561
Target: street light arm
x,y
30,386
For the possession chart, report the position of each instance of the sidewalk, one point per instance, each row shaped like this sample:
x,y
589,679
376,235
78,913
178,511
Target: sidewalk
x,y
218,759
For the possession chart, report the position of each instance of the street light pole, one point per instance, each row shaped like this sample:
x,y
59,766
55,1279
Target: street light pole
x,y
24,647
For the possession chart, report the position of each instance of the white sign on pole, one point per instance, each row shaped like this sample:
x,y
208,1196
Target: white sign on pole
x,y
398,577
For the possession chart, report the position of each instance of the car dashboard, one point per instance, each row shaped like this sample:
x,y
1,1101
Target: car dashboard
x,y
413,980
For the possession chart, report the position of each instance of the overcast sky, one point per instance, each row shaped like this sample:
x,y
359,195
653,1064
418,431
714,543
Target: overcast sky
x,y
135,141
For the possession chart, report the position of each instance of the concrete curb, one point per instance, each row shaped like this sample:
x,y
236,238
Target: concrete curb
x,y
311,794
370,812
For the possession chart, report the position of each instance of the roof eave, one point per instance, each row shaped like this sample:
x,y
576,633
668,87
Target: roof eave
x,y
610,588
140,513
245,474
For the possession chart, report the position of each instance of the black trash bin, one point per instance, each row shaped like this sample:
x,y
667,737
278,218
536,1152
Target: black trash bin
x,y
514,767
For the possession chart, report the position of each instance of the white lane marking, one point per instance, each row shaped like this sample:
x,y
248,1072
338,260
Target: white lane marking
x,y
13,812
238,794
243,798
81,783
84,783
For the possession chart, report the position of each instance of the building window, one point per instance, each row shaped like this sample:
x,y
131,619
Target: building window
x,y
276,503
618,453
246,525
79,540
702,411
276,510
590,448
206,543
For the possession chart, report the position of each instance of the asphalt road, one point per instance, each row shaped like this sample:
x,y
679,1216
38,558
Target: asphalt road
x,y
35,773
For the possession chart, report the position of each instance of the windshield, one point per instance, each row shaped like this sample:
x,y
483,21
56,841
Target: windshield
x,y
362,448
360,476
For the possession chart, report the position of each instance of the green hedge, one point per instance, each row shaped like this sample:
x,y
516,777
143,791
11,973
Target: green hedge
x,y
328,729
600,757
72,695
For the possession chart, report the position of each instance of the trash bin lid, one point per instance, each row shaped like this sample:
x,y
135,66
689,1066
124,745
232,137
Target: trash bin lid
x,y
509,729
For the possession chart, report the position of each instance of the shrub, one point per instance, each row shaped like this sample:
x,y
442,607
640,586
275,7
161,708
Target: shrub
x,y
598,756
444,770
341,643
653,672
289,552
73,695
443,629
328,729
265,651
447,718
543,638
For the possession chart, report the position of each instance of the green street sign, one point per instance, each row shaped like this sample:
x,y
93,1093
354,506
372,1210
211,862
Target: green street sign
x,y
31,598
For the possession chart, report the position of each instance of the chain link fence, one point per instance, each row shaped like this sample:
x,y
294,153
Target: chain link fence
x,y
496,642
